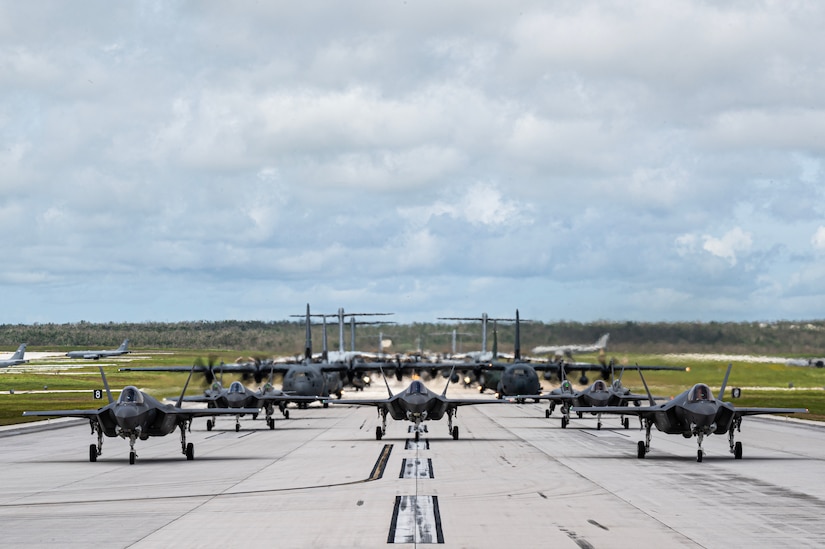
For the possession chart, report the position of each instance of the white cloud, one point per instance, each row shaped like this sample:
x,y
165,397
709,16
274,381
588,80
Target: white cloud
x,y
818,239
552,151
732,242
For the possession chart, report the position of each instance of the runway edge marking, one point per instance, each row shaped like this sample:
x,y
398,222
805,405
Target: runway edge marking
x,y
381,463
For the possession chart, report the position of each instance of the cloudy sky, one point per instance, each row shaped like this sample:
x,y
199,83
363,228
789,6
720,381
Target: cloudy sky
x,y
176,160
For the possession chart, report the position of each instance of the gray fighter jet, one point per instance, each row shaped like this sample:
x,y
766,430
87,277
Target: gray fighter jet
x,y
417,404
694,412
238,396
598,394
95,355
137,415
16,358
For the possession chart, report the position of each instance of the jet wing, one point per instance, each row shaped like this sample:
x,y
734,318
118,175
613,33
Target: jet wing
x,y
739,412
289,398
641,411
453,402
200,398
203,412
364,402
89,414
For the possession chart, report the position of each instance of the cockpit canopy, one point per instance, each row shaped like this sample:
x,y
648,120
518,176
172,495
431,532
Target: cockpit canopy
x,y
417,388
130,395
700,391
599,385
565,385
519,371
236,387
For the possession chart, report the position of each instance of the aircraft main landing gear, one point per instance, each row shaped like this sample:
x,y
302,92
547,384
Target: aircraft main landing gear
x,y
381,430
187,449
95,451
735,447
644,445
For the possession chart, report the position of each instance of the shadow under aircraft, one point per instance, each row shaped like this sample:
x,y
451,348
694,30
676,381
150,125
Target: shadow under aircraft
x,y
694,412
137,415
417,404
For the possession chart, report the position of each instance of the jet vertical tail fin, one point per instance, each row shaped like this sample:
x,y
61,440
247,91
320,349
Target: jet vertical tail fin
x,y
649,395
449,379
124,347
725,382
106,385
380,367
602,342
185,385
308,345
18,354
517,344
495,340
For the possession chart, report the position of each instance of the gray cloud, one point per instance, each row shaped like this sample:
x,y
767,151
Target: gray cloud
x,y
578,160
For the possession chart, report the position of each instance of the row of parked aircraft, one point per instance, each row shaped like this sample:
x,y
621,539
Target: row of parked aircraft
x,y
136,415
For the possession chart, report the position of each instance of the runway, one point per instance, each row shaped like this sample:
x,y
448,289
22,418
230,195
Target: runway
x,y
320,479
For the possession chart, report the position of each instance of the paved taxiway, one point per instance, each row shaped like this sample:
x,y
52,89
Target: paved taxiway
x,y
320,479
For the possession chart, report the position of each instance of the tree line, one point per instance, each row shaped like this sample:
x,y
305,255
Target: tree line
x,y
781,338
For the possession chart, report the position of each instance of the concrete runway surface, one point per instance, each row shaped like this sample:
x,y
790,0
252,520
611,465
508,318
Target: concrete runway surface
x,y
320,479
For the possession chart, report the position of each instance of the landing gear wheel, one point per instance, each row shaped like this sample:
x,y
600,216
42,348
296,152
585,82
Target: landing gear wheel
x,y
271,423
640,451
579,414
286,414
564,422
92,453
254,417
417,435
737,451
455,432
326,404
209,424
547,413
378,433
599,426
626,423
190,451
699,456
132,458
237,427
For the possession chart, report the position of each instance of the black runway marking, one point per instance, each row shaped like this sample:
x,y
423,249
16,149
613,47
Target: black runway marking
x,y
416,468
416,519
381,463
420,445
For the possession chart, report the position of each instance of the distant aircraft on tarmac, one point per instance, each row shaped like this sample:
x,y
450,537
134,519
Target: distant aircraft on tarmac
x,y
16,358
95,355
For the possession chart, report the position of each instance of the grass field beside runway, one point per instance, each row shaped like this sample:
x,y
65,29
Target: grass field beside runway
x,y
763,384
